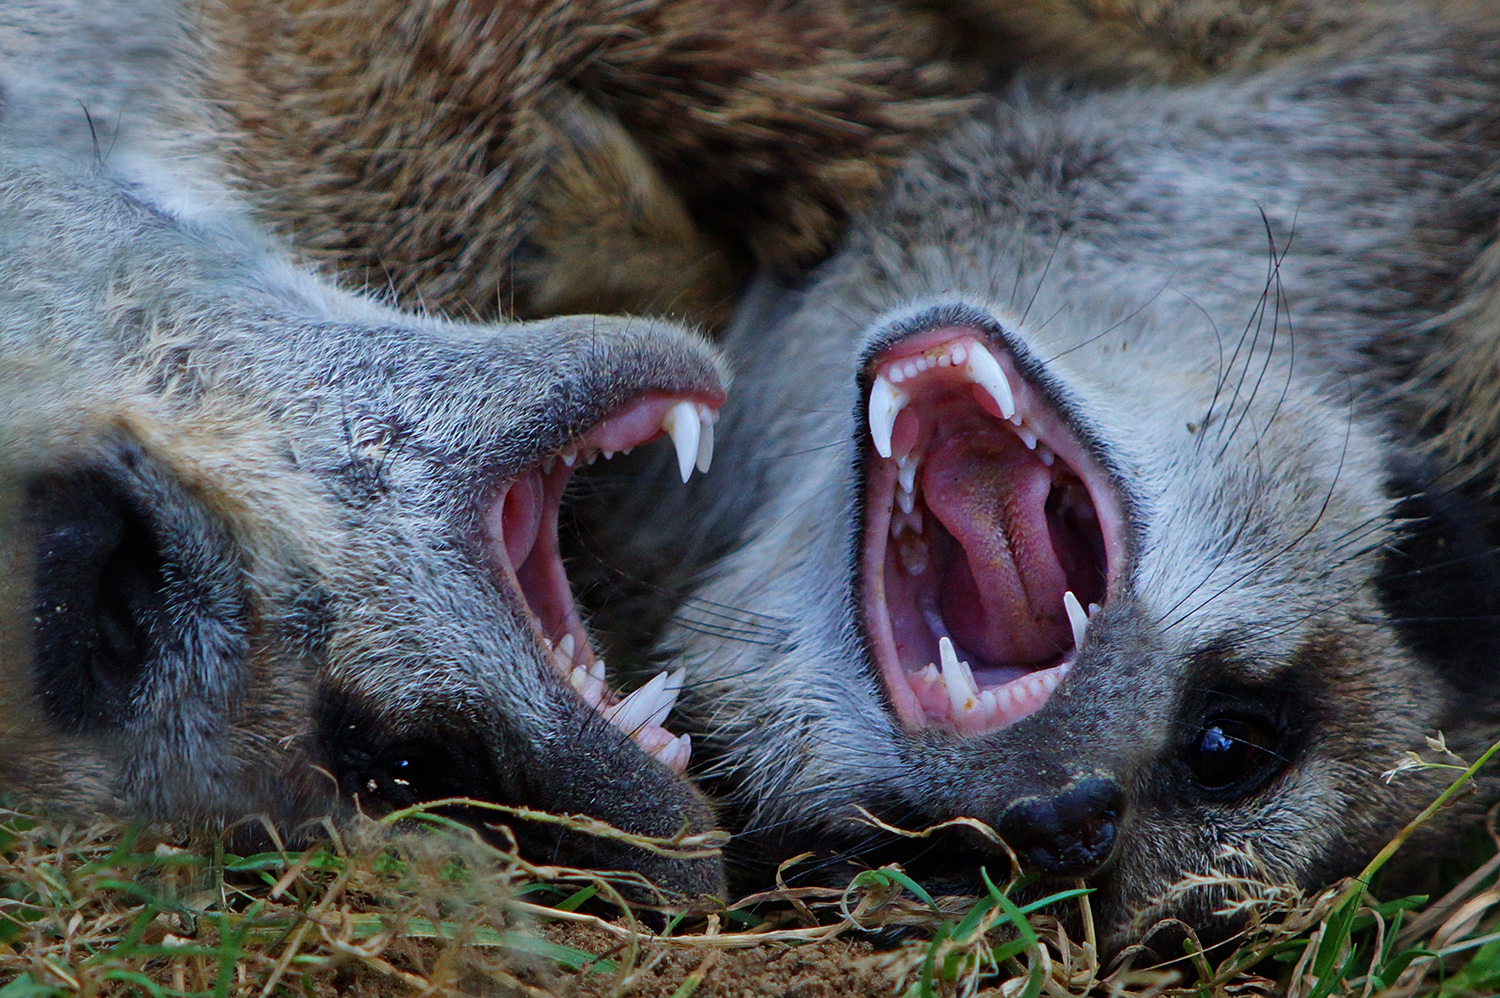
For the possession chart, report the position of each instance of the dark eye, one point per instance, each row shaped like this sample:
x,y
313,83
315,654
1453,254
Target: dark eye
x,y
1229,752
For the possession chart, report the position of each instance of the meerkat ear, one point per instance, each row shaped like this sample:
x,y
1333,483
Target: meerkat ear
x,y
136,594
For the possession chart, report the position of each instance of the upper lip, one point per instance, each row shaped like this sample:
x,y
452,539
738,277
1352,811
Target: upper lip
x,y
1014,483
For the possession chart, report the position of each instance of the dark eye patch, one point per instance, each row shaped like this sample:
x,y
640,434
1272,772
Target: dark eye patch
x,y
1235,735
386,765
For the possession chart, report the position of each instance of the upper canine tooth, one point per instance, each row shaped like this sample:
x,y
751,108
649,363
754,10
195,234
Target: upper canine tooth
x,y
568,455
1076,617
985,371
705,438
648,705
886,403
963,692
685,428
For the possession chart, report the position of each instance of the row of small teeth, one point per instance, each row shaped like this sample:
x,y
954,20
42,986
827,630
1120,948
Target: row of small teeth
x,y
969,702
689,424
640,715
964,695
981,368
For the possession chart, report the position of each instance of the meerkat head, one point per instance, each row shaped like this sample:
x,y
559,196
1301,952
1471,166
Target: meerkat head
x,y
1082,588
220,603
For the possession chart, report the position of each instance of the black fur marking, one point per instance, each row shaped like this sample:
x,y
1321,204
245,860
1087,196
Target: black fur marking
x,y
1440,582
99,601
379,759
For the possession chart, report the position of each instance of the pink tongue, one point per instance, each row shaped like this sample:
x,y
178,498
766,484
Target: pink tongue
x,y
1001,594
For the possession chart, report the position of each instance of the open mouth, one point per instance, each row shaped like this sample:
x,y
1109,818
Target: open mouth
x,y
520,534
990,534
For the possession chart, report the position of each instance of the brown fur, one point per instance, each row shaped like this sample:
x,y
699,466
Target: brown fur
x,y
467,154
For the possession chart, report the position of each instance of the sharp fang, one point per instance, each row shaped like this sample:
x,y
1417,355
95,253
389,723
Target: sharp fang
x,y
886,403
985,371
568,456
684,427
963,693
648,705
705,439
1076,617
596,669
566,646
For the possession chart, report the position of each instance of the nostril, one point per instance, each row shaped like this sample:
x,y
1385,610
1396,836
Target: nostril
x,y
1071,833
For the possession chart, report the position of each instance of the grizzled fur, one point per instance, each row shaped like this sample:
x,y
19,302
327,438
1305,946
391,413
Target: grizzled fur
x,y
500,156
239,508
1234,287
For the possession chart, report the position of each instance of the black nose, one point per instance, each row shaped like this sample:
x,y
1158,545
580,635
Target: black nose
x,y
1069,834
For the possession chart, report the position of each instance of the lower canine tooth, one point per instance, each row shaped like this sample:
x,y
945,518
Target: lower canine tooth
x,y
1077,619
963,694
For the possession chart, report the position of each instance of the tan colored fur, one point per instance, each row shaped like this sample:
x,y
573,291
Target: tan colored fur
x,y
452,151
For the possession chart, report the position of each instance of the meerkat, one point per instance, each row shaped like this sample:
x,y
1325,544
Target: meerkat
x,y
272,547
1088,491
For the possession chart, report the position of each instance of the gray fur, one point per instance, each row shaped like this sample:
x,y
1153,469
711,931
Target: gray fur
x,y
311,465
1231,286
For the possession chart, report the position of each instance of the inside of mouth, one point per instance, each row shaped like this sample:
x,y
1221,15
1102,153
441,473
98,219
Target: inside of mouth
x,y
521,542
985,521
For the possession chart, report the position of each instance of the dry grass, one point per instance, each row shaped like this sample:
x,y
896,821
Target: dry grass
x,y
415,905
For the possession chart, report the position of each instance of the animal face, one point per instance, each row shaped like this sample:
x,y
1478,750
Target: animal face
x,y
1074,495
272,548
